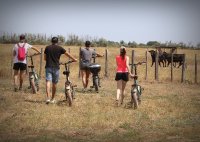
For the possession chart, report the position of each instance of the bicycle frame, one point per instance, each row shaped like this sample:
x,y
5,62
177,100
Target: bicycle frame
x,y
95,69
136,89
69,87
33,76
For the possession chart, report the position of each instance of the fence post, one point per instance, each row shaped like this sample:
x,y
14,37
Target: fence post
x,y
183,70
156,66
146,73
41,61
11,63
27,65
69,58
106,62
172,61
132,61
79,73
195,74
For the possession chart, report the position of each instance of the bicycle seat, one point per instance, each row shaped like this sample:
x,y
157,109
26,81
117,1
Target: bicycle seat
x,y
31,66
94,68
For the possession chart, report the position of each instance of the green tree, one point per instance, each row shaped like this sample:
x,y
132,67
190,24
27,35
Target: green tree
x,y
153,43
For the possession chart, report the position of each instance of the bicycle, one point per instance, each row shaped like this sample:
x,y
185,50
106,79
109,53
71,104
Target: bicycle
x,y
33,75
69,87
136,89
95,69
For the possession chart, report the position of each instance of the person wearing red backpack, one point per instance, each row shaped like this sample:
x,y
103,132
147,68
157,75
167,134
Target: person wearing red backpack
x,y
19,59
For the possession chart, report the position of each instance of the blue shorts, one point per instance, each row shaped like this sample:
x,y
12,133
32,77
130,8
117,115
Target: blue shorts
x,y
52,74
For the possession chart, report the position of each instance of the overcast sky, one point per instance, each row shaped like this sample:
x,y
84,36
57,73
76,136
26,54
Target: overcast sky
x,y
128,20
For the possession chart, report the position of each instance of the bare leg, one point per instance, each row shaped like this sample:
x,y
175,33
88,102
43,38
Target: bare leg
x,y
119,89
83,75
123,91
15,79
87,78
48,85
22,73
53,90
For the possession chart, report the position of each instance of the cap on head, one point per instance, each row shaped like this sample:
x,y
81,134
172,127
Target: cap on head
x,y
54,40
22,37
87,43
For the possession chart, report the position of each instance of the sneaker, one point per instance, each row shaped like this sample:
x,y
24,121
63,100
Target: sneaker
x,y
47,101
53,101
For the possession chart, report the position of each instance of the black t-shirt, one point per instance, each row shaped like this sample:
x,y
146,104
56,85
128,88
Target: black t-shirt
x,y
53,53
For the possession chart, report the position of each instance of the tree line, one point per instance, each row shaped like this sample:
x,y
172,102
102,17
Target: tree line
x,y
75,40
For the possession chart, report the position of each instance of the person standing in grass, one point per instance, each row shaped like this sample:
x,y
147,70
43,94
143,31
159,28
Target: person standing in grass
x,y
52,55
122,74
86,55
20,62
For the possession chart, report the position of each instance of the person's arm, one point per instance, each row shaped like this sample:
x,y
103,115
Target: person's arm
x,y
127,65
70,56
99,55
116,62
36,49
14,52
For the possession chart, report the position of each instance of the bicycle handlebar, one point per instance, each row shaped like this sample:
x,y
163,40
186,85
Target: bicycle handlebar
x,y
35,54
69,62
139,63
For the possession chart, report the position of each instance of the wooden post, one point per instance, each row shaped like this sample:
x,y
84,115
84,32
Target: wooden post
x,y
195,64
172,60
156,66
27,65
41,61
183,70
132,61
94,59
106,62
79,73
11,63
146,73
69,59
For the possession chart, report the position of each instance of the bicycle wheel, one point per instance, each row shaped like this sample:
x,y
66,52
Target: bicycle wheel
x,y
139,92
32,82
134,98
96,82
38,88
37,82
73,93
69,97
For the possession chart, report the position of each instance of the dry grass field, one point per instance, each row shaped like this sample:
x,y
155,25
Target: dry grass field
x,y
170,112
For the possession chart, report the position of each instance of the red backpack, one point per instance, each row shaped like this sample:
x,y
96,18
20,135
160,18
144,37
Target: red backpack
x,y
21,52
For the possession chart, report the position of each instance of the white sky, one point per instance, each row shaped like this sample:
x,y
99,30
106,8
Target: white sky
x,y
128,20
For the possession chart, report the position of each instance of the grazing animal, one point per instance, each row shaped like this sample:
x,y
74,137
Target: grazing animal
x,y
177,58
161,58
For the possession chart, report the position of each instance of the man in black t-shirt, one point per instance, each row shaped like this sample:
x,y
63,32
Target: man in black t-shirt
x,y
52,55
